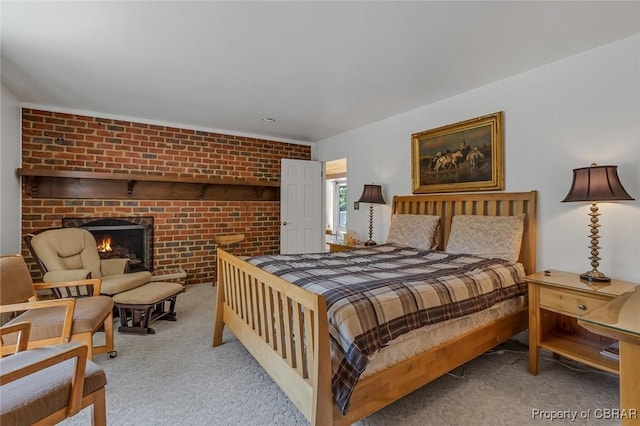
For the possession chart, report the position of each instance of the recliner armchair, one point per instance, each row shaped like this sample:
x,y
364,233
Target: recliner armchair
x,y
68,254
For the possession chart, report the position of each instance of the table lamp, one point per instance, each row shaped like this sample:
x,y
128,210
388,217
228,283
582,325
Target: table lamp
x,y
596,184
371,194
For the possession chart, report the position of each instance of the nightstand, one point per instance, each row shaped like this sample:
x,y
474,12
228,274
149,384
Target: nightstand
x,y
556,300
336,247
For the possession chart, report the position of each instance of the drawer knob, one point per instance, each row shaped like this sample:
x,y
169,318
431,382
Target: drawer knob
x,y
582,307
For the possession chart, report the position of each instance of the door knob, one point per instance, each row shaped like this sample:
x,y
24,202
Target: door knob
x,y
284,223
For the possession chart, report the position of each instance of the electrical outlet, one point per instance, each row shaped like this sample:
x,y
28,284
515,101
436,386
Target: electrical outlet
x,y
356,205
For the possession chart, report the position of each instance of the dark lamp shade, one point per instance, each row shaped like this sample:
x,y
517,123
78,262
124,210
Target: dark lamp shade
x,y
597,183
372,194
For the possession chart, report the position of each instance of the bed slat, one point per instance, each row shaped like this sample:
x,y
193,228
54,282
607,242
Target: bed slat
x,y
287,336
298,341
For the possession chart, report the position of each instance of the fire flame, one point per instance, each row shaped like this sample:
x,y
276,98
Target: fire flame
x,y
105,244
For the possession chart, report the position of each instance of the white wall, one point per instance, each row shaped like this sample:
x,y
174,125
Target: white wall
x,y
10,154
564,115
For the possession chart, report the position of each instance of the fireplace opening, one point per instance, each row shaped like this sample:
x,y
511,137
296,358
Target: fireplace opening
x,y
127,237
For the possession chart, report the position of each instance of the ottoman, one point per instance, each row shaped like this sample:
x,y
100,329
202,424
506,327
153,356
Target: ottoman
x,y
141,306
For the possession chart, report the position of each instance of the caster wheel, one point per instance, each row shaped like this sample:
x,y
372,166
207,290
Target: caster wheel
x,y
113,354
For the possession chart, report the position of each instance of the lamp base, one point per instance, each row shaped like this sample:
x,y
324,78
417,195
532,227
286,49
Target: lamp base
x,y
595,275
370,243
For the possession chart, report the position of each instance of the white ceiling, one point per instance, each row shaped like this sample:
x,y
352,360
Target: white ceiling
x,y
317,68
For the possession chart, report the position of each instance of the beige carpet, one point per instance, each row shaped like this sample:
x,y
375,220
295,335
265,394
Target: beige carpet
x,y
175,377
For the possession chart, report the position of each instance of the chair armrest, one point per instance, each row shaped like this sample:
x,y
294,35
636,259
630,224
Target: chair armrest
x,y
61,354
23,329
115,266
73,288
68,304
67,275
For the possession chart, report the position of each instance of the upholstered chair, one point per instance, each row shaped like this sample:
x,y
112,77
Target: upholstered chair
x,y
56,321
48,384
68,254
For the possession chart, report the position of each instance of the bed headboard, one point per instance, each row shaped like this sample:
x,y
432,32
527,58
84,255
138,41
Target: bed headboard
x,y
489,204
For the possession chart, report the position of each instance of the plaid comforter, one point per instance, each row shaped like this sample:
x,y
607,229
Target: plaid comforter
x,y
376,294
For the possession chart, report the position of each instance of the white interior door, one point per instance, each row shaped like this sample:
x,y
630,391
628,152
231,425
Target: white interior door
x,y
301,229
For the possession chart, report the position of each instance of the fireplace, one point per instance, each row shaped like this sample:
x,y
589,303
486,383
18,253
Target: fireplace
x,y
125,237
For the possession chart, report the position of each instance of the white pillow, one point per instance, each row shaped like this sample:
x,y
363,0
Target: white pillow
x,y
487,236
413,230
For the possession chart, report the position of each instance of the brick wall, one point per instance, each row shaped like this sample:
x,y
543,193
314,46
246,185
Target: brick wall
x,y
183,230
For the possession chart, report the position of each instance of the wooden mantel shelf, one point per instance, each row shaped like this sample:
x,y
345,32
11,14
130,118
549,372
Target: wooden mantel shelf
x,y
47,183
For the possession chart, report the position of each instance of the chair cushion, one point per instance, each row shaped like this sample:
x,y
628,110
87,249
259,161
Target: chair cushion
x,y
67,275
113,266
148,294
67,248
15,280
115,284
89,315
27,400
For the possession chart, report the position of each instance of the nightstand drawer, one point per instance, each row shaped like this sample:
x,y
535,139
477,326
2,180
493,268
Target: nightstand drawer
x,y
336,247
573,304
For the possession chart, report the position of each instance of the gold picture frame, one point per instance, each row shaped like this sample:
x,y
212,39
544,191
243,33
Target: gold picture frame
x,y
464,156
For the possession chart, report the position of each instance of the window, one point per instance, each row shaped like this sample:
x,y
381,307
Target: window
x,y
340,205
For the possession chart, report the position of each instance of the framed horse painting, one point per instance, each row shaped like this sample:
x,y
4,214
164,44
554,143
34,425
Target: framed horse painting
x,y
464,156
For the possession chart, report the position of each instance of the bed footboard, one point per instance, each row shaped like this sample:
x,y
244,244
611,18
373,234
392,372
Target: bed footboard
x,y
284,327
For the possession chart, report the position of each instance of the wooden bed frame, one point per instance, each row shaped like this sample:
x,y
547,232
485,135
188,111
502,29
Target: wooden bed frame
x,y
285,327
